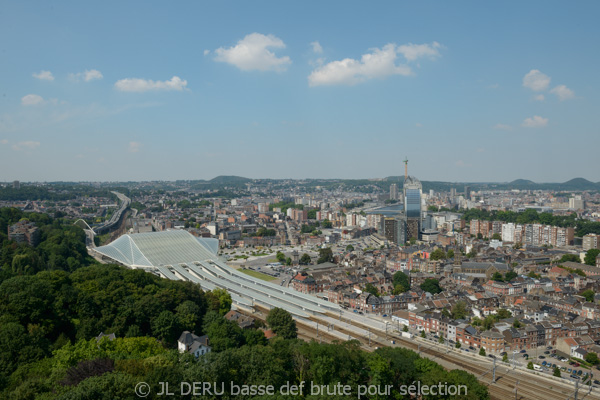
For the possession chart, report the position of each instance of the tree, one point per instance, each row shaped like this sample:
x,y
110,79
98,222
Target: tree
x,y
589,295
369,288
432,286
401,282
325,255
457,345
556,372
280,257
530,365
497,276
503,314
509,276
288,261
459,310
505,358
441,339
219,300
282,323
590,256
349,248
534,275
450,253
482,352
326,224
517,324
305,259
438,254
569,258
423,335
405,328
592,358
165,327
496,236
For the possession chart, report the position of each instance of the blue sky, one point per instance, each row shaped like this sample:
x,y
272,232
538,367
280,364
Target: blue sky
x,y
469,91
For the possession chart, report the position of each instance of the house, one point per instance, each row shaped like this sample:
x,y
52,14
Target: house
x,y
243,321
193,344
102,335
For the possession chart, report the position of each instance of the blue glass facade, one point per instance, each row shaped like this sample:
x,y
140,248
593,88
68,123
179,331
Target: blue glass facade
x,y
412,203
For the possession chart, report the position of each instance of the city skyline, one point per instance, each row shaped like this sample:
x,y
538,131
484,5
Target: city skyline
x,y
125,92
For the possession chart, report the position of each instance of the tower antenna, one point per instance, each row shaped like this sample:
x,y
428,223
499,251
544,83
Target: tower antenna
x,y
405,167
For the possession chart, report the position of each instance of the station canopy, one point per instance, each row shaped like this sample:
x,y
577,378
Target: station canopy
x,y
153,249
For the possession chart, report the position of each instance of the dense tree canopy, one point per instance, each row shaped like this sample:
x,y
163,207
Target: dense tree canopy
x,y
282,323
401,282
432,286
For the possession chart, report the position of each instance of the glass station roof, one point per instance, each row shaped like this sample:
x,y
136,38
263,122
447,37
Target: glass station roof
x,y
153,249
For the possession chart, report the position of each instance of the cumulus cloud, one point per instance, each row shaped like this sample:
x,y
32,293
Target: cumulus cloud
x,y
539,97
413,52
503,127
26,145
536,80
32,100
379,63
206,52
144,85
252,53
563,92
134,147
87,75
316,47
44,76
535,122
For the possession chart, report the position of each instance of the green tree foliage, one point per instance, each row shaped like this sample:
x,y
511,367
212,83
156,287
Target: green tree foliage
x,y
556,372
459,310
496,236
592,358
219,300
369,288
590,256
482,352
530,365
450,253
497,276
510,275
570,258
589,295
349,248
401,282
325,255
405,328
312,214
262,232
280,257
327,224
505,358
431,285
282,323
423,335
457,345
305,259
438,254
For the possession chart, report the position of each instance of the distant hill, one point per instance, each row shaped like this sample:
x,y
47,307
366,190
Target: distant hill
x,y
229,179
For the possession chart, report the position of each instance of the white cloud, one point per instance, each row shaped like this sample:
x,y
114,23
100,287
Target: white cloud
x,y
563,92
144,85
413,52
316,47
535,122
503,127
44,76
32,100
418,125
536,80
134,147
539,97
251,53
3,141
379,63
26,145
206,52
87,75
481,150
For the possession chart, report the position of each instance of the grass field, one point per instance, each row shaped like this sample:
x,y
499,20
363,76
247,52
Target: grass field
x,y
257,274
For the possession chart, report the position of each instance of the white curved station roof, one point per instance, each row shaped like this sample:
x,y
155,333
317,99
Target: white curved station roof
x,y
178,255
153,249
